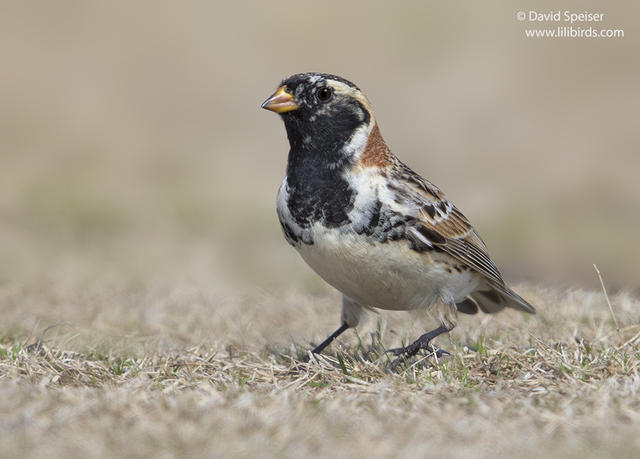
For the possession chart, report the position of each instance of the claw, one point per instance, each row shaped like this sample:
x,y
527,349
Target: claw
x,y
436,351
412,350
440,352
424,342
396,351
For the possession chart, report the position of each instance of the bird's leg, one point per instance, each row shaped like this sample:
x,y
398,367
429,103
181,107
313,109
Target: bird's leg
x,y
320,347
422,343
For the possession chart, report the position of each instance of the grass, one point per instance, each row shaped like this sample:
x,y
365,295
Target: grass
x,y
558,384
149,306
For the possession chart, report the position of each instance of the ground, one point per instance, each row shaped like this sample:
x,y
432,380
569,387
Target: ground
x,y
188,373
149,305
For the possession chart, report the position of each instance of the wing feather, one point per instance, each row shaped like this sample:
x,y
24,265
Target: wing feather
x,y
435,222
446,228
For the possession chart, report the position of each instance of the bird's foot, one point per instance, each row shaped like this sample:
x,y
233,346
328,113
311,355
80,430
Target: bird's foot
x,y
305,359
413,348
301,364
424,342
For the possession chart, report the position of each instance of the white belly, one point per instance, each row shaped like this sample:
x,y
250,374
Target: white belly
x,y
384,275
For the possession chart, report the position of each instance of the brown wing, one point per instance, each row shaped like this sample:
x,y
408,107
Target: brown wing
x,y
440,224
452,232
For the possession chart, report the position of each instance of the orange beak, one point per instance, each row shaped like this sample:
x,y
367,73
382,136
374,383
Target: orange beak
x,y
280,102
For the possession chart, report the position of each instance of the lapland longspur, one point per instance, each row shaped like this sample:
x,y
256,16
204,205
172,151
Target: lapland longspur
x,y
367,224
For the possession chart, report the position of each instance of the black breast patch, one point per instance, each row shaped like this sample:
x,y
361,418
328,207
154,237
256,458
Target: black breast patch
x,y
324,200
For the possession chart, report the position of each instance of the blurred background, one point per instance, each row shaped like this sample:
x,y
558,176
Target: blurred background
x,y
133,151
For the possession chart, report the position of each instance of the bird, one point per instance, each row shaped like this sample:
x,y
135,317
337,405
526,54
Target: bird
x,y
370,226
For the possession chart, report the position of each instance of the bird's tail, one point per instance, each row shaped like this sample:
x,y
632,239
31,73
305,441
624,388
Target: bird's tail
x,y
499,297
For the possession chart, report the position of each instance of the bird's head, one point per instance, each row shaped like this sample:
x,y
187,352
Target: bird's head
x,y
321,112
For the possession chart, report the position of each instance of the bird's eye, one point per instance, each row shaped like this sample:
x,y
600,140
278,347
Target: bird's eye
x,y
324,93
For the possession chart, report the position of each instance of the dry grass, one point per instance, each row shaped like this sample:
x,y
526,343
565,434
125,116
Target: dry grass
x,y
557,384
149,306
